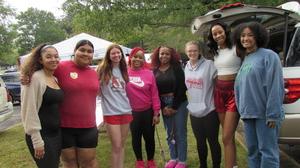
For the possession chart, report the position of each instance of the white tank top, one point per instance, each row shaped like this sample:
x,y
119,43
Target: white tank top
x,y
227,62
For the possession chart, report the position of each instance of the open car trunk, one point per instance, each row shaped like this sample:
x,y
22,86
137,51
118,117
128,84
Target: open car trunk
x,y
279,22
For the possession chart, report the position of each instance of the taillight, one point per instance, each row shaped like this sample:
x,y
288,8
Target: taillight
x,y
9,98
292,87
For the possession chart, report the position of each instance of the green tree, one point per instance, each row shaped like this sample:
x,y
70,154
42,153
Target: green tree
x,y
141,22
7,35
37,26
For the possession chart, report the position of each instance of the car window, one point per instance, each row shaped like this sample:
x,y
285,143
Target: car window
x,y
293,56
11,78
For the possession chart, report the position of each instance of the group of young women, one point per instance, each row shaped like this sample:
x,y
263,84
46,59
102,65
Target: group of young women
x,y
243,80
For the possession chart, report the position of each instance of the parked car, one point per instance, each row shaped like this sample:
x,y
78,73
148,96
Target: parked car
x,y
284,29
6,107
12,82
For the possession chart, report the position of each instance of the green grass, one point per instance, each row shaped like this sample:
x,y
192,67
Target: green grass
x,y
14,152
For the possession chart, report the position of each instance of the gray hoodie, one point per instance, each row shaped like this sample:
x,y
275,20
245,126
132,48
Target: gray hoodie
x,y
199,81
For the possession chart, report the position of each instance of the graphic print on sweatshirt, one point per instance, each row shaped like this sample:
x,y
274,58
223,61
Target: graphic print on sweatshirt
x,y
196,83
244,70
117,85
136,80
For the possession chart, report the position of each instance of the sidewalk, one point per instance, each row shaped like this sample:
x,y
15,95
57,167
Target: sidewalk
x,y
285,160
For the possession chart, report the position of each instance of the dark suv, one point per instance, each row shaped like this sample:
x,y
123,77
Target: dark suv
x,y
13,85
284,29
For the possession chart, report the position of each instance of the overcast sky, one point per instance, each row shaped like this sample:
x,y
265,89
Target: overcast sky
x,y
53,6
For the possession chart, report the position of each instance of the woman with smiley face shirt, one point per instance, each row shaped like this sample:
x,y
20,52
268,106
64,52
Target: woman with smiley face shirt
x,y
169,77
80,85
40,107
259,90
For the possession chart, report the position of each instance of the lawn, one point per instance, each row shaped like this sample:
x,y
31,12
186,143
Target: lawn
x,y
14,152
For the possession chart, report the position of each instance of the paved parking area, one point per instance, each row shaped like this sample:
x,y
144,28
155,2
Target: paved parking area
x,y
292,151
15,119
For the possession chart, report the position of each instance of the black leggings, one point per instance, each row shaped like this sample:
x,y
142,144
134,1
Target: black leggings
x,y
142,126
207,127
52,151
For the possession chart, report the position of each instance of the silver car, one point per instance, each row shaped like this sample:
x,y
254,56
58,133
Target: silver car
x,y
284,29
6,107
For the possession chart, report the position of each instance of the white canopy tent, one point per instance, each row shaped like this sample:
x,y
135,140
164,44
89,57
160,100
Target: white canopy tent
x,y
66,48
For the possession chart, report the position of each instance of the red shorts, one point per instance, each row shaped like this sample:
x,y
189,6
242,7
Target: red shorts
x,y
224,96
118,119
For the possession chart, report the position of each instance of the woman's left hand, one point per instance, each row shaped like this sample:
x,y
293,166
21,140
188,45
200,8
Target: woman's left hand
x,y
271,124
172,111
155,120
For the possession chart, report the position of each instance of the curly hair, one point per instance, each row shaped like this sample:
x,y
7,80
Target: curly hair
x,y
155,63
32,62
105,67
212,44
260,34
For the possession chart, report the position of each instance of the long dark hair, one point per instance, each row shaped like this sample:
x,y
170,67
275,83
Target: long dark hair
x,y
212,44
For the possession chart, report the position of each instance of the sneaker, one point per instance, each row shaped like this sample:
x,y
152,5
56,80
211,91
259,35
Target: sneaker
x,y
171,164
151,164
139,164
180,165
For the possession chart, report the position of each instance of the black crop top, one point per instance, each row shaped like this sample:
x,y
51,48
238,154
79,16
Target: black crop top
x,y
172,81
49,111
165,81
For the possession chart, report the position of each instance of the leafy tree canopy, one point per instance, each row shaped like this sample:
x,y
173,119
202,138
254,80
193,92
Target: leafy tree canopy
x,y
142,22
35,27
7,35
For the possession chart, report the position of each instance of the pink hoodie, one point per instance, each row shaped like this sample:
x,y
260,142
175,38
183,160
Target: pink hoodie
x,y
142,90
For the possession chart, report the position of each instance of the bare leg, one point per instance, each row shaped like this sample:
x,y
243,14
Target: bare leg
x,y
229,122
124,133
87,157
117,135
69,158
